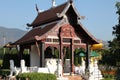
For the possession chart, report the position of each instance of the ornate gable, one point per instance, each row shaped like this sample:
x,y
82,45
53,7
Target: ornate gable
x,y
67,31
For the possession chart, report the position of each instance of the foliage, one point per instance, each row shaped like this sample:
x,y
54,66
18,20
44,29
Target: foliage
x,y
108,76
13,51
1,63
48,52
4,72
7,51
26,51
16,58
116,28
107,79
115,44
6,59
57,53
108,59
77,58
113,57
118,74
1,53
36,76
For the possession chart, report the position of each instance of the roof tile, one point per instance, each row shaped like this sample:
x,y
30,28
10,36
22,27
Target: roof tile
x,y
38,31
48,15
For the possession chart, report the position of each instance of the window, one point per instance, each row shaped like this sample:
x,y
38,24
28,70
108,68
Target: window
x,y
55,40
67,40
48,40
76,41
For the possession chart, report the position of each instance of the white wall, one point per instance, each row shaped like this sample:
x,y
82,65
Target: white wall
x,y
34,57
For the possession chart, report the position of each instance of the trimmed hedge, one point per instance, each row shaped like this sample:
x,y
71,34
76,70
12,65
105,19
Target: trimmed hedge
x,y
36,76
4,72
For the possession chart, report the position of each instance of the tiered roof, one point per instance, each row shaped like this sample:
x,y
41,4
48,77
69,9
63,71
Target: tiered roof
x,y
48,15
54,15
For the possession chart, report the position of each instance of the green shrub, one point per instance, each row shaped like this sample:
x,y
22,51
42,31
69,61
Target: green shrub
x,y
4,72
7,57
1,53
36,76
1,63
117,74
108,77
16,58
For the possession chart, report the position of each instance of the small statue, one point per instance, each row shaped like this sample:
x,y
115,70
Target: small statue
x,y
13,68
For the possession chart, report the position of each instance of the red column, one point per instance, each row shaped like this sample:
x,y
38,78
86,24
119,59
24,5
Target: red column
x,y
61,53
72,52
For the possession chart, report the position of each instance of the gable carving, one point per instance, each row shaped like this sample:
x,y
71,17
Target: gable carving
x,y
67,31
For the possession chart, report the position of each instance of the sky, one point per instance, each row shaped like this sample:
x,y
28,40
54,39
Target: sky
x,y
100,15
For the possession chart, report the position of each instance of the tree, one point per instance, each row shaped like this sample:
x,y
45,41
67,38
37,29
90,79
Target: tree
x,y
115,43
116,28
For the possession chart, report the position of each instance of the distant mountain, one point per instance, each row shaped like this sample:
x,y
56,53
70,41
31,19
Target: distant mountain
x,y
10,35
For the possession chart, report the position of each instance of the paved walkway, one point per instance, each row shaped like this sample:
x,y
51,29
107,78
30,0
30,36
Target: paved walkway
x,y
75,77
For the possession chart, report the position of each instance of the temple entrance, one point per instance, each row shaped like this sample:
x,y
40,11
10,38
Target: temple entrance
x,y
66,60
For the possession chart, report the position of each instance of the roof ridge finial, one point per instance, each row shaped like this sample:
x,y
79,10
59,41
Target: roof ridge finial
x,y
53,3
37,9
70,1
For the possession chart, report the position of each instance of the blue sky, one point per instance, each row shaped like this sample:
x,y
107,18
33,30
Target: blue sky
x,y
100,15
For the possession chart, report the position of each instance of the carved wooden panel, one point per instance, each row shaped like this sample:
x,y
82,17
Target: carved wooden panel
x,y
67,31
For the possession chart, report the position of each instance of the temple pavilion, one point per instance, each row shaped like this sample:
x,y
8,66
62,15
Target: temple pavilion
x,y
54,32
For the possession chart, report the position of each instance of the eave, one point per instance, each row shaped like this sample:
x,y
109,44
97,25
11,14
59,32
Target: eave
x,y
53,14
30,37
87,37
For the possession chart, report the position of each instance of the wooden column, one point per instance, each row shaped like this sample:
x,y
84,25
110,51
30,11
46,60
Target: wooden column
x,y
72,56
42,57
53,51
61,53
21,52
87,59
38,49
